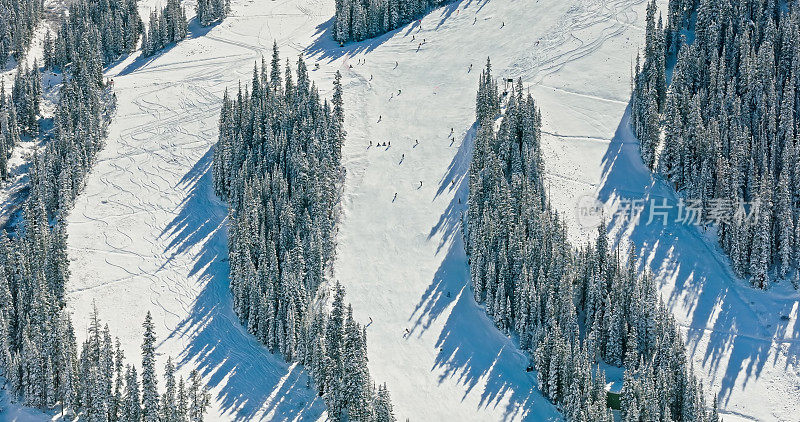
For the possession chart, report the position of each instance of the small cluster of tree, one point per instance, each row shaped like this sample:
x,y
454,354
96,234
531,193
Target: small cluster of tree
x,y
26,95
357,20
167,26
725,130
113,25
98,384
570,308
9,130
19,114
278,165
333,347
210,11
18,20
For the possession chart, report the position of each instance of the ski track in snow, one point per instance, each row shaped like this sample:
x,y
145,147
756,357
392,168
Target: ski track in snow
x,y
148,233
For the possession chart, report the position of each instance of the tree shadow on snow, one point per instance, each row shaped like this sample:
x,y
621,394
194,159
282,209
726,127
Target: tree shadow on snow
x,y
470,348
325,48
738,322
248,381
454,180
195,31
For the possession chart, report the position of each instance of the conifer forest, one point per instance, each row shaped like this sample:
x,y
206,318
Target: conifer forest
x,y
399,210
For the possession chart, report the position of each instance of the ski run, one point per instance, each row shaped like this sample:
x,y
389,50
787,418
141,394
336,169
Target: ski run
x,y
148,232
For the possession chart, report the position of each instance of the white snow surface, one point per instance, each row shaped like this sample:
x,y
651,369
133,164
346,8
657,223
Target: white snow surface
x,y
149,235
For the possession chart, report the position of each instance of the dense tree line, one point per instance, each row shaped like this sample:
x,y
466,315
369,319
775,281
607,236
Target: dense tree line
x,y
26,96
167,26
19,114
569,308
210,11
357,20
113,25
9,130
278,165
729,123
18,20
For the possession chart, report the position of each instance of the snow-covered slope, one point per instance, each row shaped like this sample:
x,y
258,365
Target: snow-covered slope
x,y
148,233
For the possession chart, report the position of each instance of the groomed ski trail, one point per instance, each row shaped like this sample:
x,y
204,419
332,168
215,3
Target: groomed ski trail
x,y
148,233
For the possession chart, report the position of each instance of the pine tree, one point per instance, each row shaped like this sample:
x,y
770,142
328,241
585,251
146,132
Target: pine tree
x,y
169,404
150,403
132,407
199,398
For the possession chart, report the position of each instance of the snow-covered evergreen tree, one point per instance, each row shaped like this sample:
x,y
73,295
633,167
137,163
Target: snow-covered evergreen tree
x,y
570,308
199,398
150,404
357,20
113,25
18,20
278,164
210,11
729,122
167,26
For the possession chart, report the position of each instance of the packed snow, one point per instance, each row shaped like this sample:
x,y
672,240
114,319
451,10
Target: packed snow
x,y
148,233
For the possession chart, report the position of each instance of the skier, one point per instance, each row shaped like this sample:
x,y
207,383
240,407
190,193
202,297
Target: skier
x,y
390,143
417,142
504,24
402,157
370,320
379,118
420,183
407,332
395,196
470,68
370,76
412,37
451,129
399,91
395,64
370,143
476,19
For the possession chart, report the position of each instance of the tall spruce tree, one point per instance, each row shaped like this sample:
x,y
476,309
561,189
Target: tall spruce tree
x,y
150,404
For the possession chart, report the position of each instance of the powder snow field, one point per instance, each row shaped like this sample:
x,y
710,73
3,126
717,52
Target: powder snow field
x,y
148,233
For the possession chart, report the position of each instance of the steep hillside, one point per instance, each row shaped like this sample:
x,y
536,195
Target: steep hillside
x,y
148,233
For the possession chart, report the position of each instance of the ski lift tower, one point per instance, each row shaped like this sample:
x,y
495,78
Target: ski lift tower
x,y
508,84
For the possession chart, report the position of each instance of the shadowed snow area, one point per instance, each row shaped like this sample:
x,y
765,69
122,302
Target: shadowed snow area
x,y
149,234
